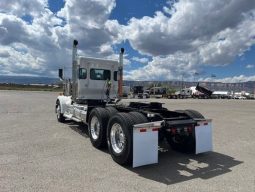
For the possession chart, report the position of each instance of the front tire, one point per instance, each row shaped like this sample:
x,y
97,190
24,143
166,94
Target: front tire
x,y
60,116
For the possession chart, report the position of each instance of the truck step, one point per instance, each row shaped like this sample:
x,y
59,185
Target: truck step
x,y
68,116
76,119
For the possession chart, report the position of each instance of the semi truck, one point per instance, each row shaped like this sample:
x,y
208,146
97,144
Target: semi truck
x,y
131,131
182,94
138,91
197,92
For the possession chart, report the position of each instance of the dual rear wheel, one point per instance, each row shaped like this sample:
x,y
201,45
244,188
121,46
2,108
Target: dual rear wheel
x,y
98,121
107,126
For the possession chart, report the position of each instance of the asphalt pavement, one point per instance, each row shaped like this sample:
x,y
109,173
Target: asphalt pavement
x,y
37,153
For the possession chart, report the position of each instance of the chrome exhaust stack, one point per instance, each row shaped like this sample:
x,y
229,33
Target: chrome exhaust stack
x,y
74,70
120,72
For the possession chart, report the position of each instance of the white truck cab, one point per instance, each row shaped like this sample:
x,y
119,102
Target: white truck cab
x,y
93,79
93,76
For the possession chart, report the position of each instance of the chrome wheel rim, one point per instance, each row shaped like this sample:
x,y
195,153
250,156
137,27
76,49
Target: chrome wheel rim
x,y
118,140
94,127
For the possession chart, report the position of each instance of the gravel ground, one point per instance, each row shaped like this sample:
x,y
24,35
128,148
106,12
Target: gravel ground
x,y
39,154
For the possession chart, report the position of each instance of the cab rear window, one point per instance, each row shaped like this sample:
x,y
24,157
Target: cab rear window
x,y
100,74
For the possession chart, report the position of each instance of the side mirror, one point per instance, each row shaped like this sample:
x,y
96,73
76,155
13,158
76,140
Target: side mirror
x,y
60,73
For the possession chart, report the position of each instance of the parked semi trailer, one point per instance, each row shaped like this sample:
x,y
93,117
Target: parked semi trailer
x,y
131,132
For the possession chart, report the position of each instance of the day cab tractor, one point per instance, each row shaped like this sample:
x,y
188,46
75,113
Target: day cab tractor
x,y
130,131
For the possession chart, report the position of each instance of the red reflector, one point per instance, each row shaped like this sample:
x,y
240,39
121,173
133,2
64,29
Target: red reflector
x,y
155,129
143,130
190,129
206,123
173,130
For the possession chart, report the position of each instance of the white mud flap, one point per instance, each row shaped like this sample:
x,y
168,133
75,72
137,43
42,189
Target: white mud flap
x,y
203,132
145,143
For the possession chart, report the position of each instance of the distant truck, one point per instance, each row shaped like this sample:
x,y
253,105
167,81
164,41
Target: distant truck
x,y
138,91
182,94
199,92
192,92
157,92
126,91
131,131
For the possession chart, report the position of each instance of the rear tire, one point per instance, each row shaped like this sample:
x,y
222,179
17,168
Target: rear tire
x,y
138,117
111,111
97,125
191,113
194,114
120,138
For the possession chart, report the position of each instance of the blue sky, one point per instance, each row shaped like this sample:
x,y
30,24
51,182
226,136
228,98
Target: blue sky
x,y
163,39
125,10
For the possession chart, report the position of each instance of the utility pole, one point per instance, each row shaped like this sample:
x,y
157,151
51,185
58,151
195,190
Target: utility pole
x,y
195,74
182,81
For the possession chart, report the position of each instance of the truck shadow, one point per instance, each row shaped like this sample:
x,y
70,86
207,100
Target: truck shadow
x,y
82,129
174,167
79,128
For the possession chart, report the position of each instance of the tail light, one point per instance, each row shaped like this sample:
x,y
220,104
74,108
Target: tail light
x,y
173,130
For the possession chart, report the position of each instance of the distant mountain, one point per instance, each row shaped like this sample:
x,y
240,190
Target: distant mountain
x,y
214,86
248,86
28,80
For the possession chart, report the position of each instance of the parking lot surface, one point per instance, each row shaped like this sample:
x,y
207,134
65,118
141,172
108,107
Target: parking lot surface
x,y
39,154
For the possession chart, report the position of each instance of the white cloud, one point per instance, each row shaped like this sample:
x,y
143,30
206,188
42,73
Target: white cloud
x,y
182,38
197,34
166,68
249,66
143,60
42,46
116,31
234,79
4,54
19,62
23,7
192,21
115,57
